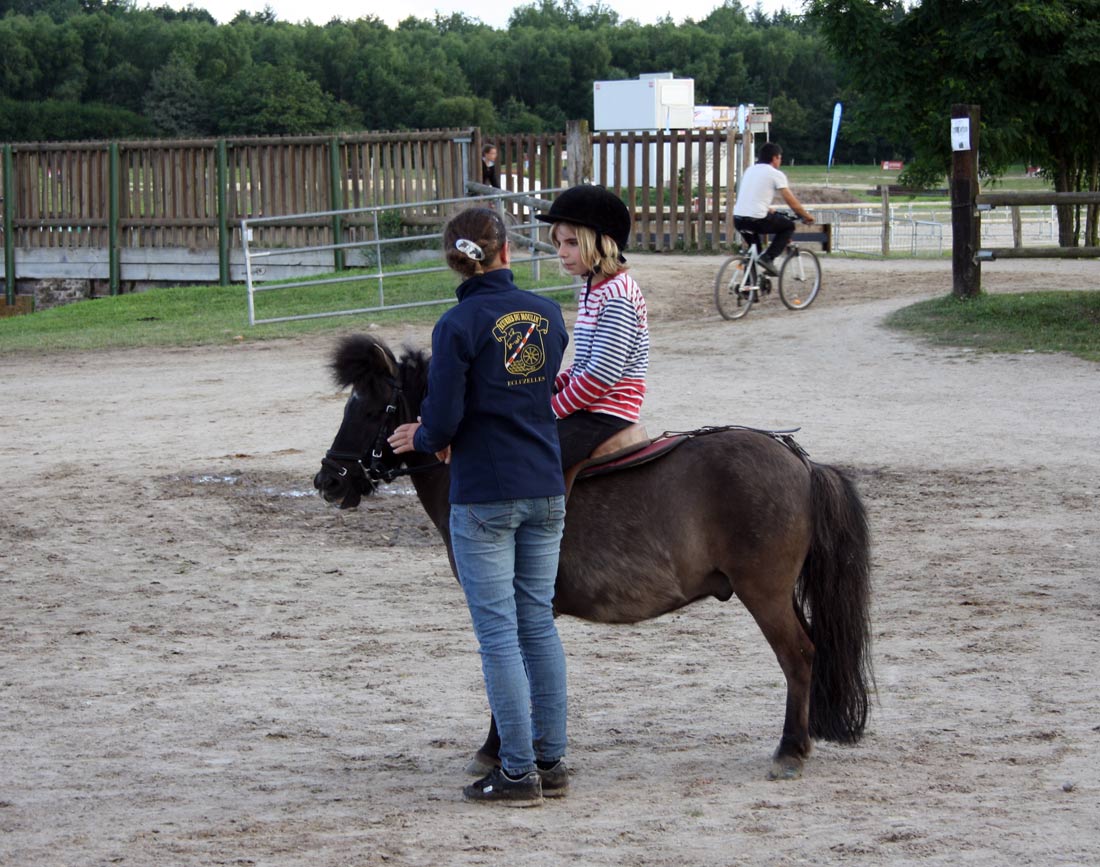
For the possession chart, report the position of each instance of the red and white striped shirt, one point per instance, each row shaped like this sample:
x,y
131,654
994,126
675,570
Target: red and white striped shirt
x,y
610,353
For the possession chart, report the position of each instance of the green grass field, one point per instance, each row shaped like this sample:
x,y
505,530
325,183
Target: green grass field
x,y
869,176
198,315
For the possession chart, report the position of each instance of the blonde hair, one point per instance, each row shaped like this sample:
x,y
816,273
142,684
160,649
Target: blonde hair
x,y
472,241
589,245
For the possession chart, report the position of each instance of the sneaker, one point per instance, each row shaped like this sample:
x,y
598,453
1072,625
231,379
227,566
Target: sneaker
x,y
498,788
767,266
555,780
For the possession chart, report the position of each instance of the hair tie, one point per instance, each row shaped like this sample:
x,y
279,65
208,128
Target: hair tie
x,y
469,249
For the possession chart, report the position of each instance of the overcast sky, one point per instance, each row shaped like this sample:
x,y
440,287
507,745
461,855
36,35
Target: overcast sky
x,y
494,14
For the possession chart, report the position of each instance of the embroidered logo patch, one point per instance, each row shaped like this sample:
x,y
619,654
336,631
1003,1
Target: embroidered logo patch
x,y
521,335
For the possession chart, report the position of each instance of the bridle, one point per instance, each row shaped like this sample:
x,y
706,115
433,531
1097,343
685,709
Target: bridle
x,y
374,471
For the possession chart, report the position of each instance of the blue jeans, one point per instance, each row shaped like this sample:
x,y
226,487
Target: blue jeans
x,y
507,558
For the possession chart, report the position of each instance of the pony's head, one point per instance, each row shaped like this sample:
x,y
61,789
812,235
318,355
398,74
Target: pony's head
x,y
384,394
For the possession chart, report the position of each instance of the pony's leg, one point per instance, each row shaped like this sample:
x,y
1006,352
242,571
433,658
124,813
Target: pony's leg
x,y
488,757
778,620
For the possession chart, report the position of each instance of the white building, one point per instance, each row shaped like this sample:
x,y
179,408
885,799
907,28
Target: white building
x,y
658,102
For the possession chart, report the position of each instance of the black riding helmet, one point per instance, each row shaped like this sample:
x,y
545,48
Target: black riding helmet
x,y
594,207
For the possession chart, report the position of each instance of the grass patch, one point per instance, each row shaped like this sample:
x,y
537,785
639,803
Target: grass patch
x,y
1033,322
840,175
205,315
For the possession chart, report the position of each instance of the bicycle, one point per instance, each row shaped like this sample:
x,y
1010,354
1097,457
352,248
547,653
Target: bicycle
x,y
741,281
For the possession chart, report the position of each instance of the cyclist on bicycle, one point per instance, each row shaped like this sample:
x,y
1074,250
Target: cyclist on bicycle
x,y
753,211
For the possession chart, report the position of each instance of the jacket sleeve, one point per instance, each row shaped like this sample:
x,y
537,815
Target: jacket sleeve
x,y
445,404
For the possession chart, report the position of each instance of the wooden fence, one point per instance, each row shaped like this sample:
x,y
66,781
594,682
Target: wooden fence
x,y
674,182
135,211
967,203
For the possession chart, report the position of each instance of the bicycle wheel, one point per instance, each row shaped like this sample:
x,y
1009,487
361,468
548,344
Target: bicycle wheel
x,y
799,280
732,294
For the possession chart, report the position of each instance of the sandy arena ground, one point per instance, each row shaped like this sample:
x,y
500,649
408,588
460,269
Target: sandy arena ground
x,y
201,663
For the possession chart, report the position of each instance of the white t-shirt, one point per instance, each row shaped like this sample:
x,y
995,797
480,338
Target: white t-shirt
x,y
757,191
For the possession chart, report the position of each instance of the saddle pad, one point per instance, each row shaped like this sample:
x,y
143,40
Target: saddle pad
x,y
659,447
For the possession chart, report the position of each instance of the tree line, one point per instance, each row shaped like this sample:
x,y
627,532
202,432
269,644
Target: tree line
x,y
94,69
98,69
1033,68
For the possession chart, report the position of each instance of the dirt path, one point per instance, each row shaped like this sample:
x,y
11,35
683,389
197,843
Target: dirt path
x,y
200,663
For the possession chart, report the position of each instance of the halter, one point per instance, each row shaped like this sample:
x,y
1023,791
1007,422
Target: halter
x,y
374,471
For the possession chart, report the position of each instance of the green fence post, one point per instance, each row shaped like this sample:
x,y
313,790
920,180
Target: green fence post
x,y
223,217
113,182
337,194
9,240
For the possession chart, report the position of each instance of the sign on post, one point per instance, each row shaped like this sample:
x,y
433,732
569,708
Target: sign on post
x,y
960,133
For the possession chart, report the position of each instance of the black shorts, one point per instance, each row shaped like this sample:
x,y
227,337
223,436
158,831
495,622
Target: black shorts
x,y
581,432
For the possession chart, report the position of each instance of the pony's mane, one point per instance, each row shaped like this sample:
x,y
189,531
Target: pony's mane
x,y
357,359
413,372
367,363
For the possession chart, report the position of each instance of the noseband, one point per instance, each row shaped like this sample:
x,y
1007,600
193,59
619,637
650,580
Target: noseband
x,y
374,471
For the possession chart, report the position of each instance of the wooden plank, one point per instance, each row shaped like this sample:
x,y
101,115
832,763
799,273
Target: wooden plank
x,y
632,187
661,202
179,198
386,172
674,190
148,200
374,164
308,190
731,186
1037,198
88,198
28,206
987,253
697,178
259,174
78,264
717,143
615,178
530,167
647,193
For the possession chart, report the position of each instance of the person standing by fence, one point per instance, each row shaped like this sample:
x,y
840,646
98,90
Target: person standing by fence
x,y
490,171
494,359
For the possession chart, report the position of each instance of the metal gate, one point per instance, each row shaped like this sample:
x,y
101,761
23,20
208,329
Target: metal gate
x,y
376,243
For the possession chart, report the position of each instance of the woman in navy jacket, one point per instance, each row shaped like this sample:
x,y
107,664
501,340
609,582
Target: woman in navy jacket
x,y
495,356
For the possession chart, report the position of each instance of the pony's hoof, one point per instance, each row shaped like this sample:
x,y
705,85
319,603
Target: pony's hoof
x,y
788,768
481,764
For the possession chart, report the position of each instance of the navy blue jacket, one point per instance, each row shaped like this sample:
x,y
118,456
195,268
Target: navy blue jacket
x,y
494,359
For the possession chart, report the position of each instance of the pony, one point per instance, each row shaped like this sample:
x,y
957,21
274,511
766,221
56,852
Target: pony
x,y
730,512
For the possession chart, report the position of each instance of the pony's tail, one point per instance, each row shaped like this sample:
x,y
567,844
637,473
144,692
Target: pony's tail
x,y
833,594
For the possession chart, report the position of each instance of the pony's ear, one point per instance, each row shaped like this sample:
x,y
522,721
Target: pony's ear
x,y
361,361
386,358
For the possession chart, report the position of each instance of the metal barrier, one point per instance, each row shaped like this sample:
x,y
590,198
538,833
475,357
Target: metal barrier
x,y
373,252
921,231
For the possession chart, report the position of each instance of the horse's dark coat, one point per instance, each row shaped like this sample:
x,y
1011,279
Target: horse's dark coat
x,y
730,513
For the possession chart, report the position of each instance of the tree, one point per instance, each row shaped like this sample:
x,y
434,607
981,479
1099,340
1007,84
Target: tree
x,y
276,100
546,14
175,102
1033,67
459,111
